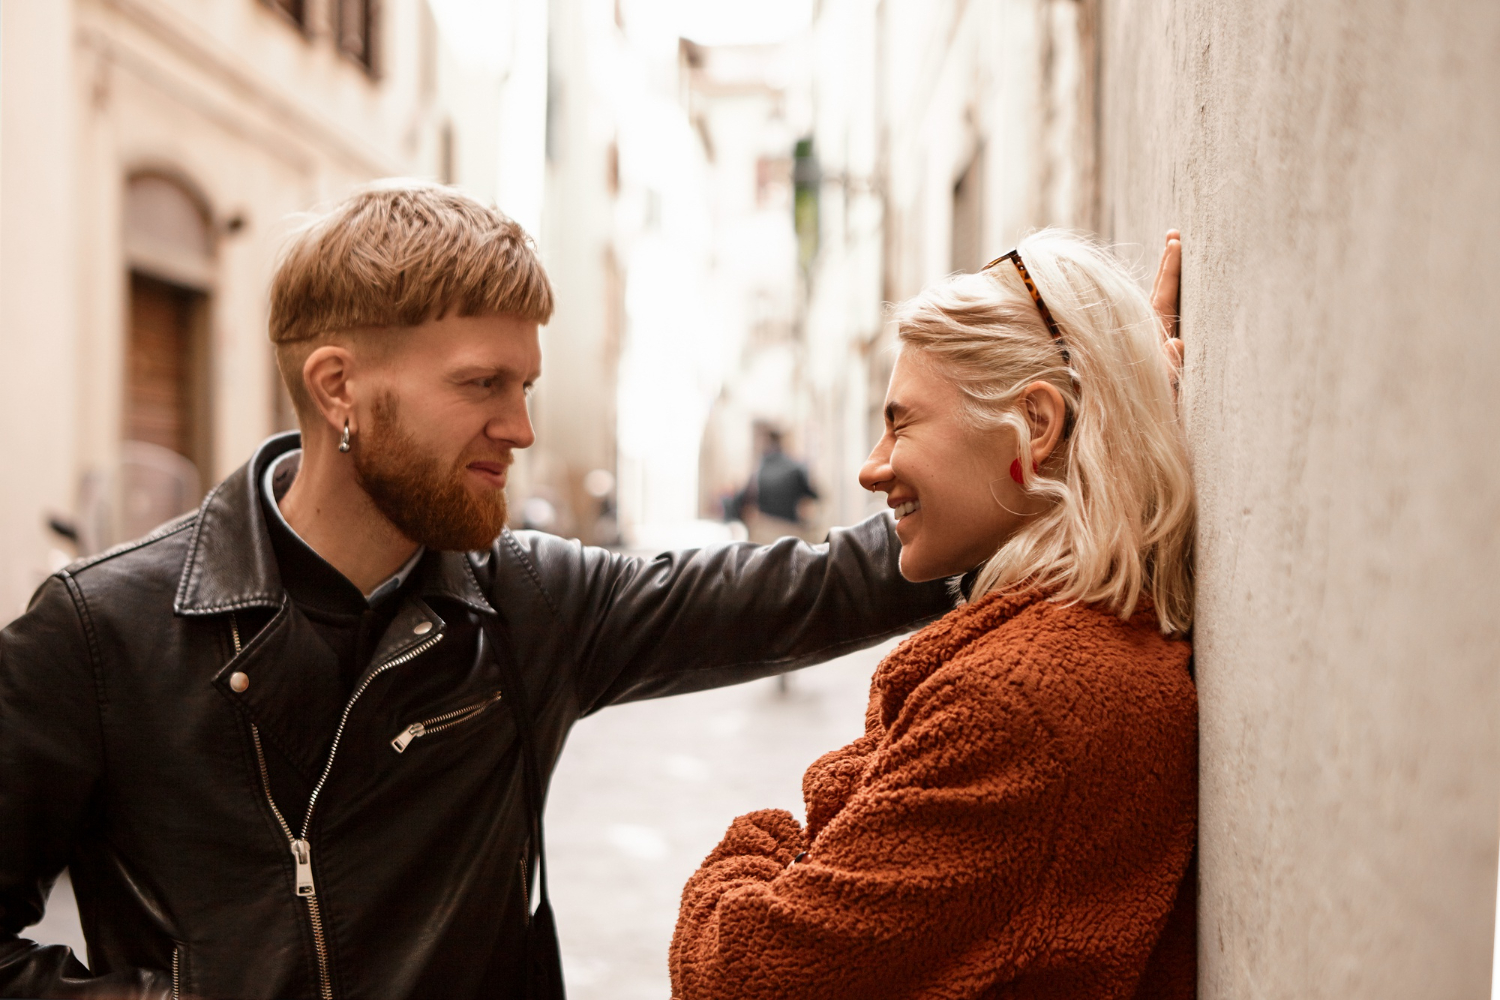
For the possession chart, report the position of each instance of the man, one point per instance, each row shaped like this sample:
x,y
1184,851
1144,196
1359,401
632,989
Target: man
x,y
268,739
776,490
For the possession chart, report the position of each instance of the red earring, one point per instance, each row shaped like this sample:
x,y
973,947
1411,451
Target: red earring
x,y
1015,470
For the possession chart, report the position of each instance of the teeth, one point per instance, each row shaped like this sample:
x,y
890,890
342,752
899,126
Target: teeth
x,y
910,507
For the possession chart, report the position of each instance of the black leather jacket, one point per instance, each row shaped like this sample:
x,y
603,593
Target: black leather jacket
x,y
127,755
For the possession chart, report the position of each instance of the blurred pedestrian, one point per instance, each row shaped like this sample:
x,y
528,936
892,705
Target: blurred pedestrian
x,y
771,502
295,743
1019,817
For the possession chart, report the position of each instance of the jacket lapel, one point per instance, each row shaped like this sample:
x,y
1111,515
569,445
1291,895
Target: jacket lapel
x,y
230,564
294,696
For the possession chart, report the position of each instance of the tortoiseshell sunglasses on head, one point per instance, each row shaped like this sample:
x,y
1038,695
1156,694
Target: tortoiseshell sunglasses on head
x,y
1015,257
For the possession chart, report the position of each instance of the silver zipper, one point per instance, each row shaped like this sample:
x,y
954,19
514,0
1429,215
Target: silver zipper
x,y
176,971
526,888
301,847
441,722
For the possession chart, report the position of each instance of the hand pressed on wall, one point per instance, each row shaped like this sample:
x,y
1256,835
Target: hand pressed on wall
x,y
1164,298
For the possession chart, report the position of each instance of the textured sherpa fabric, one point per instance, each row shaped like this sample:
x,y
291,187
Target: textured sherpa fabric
x,y
1017,821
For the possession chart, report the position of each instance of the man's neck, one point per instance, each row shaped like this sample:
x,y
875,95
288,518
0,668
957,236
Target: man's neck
x,y
329,511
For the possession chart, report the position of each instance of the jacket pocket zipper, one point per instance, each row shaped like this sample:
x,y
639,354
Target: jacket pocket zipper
x,y
441,722
176,971
301,846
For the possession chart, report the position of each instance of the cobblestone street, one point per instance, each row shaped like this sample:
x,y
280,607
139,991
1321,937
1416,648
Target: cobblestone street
x,y
645,791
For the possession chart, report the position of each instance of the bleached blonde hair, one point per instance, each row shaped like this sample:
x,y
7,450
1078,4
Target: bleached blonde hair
x,y
1120,519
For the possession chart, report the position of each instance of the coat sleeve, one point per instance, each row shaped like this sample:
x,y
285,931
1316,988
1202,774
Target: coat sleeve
x,y
943,844
51,765
690,620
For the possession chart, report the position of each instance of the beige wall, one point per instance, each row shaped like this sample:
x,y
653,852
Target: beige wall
x,y
37,294
1333,167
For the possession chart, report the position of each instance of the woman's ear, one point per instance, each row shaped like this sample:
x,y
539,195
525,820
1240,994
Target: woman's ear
x,y
327,372
1046,414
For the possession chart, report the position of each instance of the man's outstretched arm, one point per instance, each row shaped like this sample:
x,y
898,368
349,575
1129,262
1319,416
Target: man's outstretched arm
x,y
50,766
702,618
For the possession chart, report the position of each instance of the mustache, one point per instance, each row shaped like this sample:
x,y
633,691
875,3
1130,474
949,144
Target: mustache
x,y
505,461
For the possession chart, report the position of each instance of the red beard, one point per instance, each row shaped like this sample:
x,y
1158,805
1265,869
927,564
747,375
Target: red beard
x,y
431,505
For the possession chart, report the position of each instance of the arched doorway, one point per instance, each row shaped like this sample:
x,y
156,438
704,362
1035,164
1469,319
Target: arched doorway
x,y
169,250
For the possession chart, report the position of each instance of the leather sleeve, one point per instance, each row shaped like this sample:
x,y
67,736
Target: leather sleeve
x,y
50,766
696,619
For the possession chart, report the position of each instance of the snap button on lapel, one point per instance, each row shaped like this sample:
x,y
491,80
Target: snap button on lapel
x,y
239,681
422,628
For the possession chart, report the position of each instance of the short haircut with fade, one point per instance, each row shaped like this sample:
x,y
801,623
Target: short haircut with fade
x,y
398,254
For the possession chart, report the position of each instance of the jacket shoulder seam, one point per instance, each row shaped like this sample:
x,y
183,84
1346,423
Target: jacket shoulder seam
x,y
531,572
90,634
172,527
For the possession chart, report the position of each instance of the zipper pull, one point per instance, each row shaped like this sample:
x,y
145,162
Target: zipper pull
x,y
411,732
302,854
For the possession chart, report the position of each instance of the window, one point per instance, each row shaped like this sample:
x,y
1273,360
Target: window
x,y
447,164
806,180
354,31
968,217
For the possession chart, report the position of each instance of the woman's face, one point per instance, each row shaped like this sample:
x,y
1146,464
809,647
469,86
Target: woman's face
x,y
949,484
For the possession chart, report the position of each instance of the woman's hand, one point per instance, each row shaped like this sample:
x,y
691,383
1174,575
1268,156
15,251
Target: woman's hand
x,y
1164,298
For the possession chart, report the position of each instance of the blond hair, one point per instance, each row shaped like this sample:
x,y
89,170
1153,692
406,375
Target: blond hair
x,y
1120,523
397,254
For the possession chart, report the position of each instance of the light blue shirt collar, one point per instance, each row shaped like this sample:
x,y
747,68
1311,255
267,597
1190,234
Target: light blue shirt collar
x,y
268,484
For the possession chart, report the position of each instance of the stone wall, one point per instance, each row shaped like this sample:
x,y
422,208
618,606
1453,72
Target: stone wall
x,y
1333,169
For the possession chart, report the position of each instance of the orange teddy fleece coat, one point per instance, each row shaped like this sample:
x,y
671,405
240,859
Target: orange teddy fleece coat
x,y
1018,820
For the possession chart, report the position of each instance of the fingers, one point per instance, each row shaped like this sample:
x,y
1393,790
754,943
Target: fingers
x,y
1172,351
1164,293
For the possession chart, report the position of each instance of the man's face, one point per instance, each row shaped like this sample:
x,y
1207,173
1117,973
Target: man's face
x,y
441,415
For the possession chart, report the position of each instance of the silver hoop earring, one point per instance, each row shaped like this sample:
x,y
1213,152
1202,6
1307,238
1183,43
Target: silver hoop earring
x,y
344,441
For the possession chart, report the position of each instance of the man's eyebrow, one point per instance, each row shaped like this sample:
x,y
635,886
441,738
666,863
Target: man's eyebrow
x,y
493,371
895,409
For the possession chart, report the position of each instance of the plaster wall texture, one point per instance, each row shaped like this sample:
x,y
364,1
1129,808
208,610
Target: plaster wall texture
x,y
1332,167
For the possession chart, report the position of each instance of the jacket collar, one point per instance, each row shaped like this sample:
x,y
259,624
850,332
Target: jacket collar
x,y
231,565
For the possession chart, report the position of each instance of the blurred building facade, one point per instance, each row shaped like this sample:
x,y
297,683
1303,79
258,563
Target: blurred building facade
x,y
154,155
747,104
892,143
940,133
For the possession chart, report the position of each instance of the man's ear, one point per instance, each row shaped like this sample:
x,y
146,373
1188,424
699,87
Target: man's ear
x,y
327,372
1046,413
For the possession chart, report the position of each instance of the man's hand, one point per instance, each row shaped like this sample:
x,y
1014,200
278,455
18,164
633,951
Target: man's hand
x,y
1164,298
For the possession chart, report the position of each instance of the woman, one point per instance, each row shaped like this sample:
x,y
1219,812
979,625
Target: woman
x,y
1018,819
